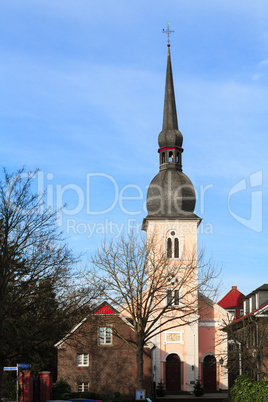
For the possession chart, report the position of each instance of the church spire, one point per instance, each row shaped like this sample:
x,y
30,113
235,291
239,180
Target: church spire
x,y
170,139
170,112
171,193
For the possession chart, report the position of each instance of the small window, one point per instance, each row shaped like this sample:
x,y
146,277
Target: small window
x,y
82,359
176,298
173,249
163,157
169,296
169,248
177,157
176,248
173,298
170,156
82,387
105,335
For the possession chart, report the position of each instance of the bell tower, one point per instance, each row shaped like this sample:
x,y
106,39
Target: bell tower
x,y
172,224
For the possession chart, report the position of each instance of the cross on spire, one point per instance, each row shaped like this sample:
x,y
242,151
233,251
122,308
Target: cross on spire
x,y
168,31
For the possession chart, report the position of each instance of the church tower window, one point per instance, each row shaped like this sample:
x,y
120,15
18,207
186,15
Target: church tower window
x,y
169,248
173,298
173,246
176,298
176,248
169,296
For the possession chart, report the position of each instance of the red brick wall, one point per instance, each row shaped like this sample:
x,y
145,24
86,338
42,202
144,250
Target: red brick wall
x,y
45,385
112,367
26,386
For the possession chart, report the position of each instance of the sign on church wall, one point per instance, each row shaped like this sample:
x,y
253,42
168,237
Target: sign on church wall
x,y
174,337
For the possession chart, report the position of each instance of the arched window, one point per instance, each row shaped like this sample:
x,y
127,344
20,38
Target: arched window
x,y
173,247
169,248
173,292
177,157
169,297
170,156
176,297
176,248
173,297
163,157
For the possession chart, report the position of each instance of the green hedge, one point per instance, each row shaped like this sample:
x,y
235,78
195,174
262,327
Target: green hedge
x,y
247,390
60,388
62,391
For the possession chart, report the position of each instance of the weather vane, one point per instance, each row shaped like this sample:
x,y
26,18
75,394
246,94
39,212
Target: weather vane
x,y
168,31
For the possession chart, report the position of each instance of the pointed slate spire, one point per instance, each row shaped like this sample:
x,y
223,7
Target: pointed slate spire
x,y
170,113
170,139
171,194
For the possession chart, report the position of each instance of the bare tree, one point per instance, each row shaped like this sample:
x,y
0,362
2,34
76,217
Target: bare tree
x,y
141,282
248,347
35,272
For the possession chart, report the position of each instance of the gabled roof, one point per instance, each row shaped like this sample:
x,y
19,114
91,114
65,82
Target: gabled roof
x,y
259,289
102,309
233,299
105,308
261,311
212,304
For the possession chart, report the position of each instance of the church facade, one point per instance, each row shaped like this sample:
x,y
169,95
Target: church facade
x,y
190,344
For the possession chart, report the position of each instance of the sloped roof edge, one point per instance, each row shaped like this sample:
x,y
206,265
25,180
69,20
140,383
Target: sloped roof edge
x,y
213,304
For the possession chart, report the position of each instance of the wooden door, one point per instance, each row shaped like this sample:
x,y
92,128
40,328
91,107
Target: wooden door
x,y
209,373
173,373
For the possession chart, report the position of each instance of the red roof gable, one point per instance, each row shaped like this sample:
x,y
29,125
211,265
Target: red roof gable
x,y
233,299
105,310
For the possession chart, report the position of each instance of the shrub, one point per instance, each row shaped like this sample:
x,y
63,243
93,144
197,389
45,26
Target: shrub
x,y
83,395
9,389
198,389
60,389
160,389
246,390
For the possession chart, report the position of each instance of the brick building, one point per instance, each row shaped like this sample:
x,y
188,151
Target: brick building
x,y
248,338
98,354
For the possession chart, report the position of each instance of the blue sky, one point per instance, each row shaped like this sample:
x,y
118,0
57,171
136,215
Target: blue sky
x,y
82,88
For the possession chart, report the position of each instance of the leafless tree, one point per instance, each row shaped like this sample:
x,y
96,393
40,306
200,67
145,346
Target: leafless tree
x,y
35,271
142,283
248,347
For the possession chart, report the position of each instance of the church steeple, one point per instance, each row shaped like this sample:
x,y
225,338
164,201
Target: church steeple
x,y
170,112
171,193
170,139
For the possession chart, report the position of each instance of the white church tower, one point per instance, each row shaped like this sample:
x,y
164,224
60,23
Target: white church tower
x,y
173,224
189,347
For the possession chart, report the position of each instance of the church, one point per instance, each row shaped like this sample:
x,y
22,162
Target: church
x,y
179,354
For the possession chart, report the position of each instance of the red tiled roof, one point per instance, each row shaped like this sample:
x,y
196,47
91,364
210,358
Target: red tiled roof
x,y
105,310
233,299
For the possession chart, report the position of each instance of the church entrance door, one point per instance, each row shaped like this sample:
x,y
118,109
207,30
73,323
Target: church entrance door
x,y
173,373
209,373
